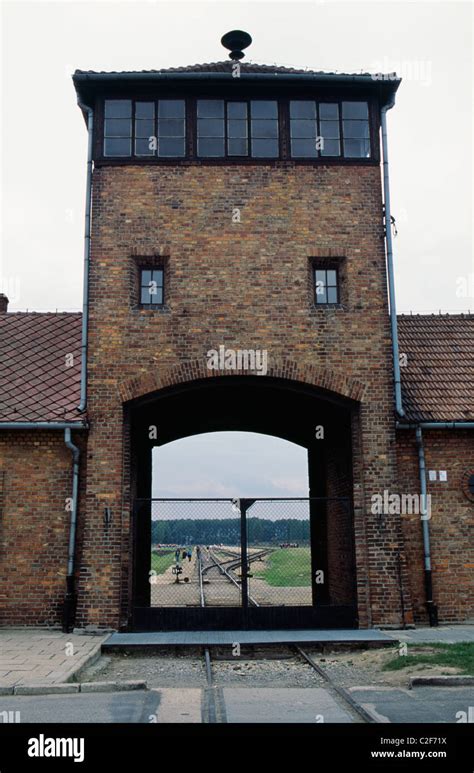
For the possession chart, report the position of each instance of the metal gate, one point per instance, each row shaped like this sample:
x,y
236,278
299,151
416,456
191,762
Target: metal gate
x,y
239,563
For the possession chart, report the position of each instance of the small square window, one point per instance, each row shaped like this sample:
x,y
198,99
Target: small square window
x,y
326,286
151,286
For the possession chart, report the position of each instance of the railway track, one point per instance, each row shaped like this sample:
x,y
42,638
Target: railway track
x,y
214,700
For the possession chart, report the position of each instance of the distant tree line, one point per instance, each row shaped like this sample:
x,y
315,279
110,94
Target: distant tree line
x,y
209,531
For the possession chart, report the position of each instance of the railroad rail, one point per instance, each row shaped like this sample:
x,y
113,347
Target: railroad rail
x,y
215,709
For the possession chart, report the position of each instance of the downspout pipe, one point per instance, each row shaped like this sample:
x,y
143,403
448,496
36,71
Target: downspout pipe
x,y
69,608
87,251
390,273
430,605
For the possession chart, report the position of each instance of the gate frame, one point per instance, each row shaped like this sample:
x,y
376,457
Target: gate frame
x,y
320,614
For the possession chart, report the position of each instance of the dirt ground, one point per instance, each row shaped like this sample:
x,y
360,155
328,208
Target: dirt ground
x,y
261,669
218,589
258,667
359,668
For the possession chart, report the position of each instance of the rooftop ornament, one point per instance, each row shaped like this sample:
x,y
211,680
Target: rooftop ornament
x,y
236,41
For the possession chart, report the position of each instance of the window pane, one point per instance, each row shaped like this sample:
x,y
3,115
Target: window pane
x,y
117,147
210,108
237,147
142,148
118,108
332,294
157,276
265,148
170,128
321,296
144,109
331,278
357,148
145,276
144,129
329,130
265,129
153,291
302,109
171,147
210,127
237,110
237,128
171,108
355,110
145,296
302,129
331,148
328,111
264,108
355,129
320,275
303,148
118,127
210,147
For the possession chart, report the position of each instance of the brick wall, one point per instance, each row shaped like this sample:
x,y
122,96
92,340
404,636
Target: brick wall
x,y
451,523
243,285
36,479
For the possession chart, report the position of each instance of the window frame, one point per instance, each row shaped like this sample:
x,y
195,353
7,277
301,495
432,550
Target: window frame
x,y
153,268
151,156
150,262
340,120
282,97
231,157
316,266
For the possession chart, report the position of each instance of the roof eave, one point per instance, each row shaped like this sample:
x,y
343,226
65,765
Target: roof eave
x,y
386,84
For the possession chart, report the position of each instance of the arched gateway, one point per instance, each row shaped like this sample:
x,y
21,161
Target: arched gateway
x,y
290,408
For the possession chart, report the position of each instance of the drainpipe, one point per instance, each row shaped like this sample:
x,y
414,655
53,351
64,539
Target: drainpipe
x,y
391,279
87,251
430,605
437,425
69,599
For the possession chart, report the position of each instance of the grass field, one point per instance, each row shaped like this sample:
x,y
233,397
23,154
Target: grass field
x,y
160,563
455,655
286,568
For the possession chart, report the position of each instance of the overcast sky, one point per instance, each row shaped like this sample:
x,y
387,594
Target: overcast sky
x,y
44,136
247,464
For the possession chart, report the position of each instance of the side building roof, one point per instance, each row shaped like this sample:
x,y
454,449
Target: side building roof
x,y
40,366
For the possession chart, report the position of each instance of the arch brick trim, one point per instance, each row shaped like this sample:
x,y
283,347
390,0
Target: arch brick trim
x,y
193,370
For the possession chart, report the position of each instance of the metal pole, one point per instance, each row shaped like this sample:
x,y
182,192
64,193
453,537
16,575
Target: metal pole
x,y
242,505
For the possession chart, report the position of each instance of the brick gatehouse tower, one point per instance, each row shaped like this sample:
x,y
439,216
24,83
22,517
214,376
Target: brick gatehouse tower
x,y
244,210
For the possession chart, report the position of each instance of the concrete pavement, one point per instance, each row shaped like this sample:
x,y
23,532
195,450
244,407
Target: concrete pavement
x,y
444,634
241,705
41,656
178,705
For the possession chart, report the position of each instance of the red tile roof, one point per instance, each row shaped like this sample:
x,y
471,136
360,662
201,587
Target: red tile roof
x,y
36,384
36,381
438,379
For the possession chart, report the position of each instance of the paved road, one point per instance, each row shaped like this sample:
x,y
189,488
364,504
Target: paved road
x,y
422,704
253,705
293,705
